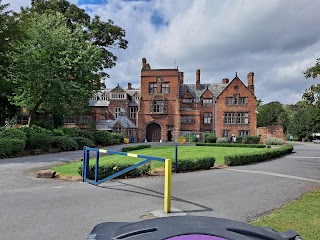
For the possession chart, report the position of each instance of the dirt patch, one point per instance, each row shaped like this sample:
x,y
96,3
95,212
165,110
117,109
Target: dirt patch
x,y
157,172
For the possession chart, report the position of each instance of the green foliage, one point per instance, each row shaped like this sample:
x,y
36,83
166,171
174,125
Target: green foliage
x,y
243,159
40,141
86,133
232,145
210,138
112,168
57,132
251,139
222,140
103,138
271,114
194,164
64,143
274,141
13,133
312,95
128,149
47,124
82,141
71,132
313,71
118,137
10,147
239,139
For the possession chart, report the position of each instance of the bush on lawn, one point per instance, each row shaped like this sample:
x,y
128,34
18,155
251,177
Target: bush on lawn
x,y
242,159
71,132
232,145
82,141
10,147
40,141
112,168
222,140
57,132
13,133
274,141
118,138
103,138
86,133
210,138
251,139
128,149
33,129
193,164
239,139
64,143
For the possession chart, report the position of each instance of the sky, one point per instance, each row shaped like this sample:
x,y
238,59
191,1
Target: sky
x,y
276,39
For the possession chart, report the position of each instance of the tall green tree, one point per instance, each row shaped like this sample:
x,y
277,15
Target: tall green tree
x,y
54,68
105,35
312,94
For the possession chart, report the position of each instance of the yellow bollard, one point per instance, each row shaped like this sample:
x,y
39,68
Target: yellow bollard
x,y
167,186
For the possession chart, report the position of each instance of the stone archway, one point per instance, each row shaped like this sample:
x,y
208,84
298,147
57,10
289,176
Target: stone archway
x,y
153,132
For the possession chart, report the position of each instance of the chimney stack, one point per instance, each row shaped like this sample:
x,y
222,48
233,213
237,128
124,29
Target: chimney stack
x,y
198,79
181,77
250,78
129,86
144,63
225,80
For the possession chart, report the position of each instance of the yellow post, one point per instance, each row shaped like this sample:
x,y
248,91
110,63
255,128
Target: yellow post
x,y
167,186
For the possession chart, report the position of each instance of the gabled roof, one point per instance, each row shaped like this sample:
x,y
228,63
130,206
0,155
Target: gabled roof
x,y
124,122
236,78
215,88
118,89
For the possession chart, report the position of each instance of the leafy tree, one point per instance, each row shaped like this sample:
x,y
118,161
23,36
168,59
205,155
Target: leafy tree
x,y
272,113
312,94
105,35
54,68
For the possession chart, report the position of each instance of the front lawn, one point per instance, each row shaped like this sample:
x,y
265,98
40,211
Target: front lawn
x,y
71,169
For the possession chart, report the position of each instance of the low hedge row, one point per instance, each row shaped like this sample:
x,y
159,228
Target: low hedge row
x,y
64,143
235,160
10,147
128,149
193,164
232,145
112,168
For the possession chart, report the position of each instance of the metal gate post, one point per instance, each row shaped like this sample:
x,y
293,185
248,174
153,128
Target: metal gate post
x,y
96,174
84,167
167,186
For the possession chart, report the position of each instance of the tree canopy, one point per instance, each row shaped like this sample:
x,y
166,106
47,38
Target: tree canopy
x,y
312,94
53,68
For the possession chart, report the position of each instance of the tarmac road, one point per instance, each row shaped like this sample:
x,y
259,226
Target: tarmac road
x,y
32,208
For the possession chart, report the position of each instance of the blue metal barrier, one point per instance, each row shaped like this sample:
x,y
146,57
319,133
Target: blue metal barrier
x,y
96,181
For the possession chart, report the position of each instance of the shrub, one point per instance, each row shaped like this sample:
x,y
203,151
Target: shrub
x,y
242,159
82,141
34,129
223,140
57,132
40,141
251,139
191,137
47,124
112,168
232,145
64,143
10,147
240,139
193,164
210,138
103,138
86,133
274,141
118,137
13,133
71,132
128,149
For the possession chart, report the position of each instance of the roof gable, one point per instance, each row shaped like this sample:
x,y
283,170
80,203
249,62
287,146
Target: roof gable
x,y
118,89
233,83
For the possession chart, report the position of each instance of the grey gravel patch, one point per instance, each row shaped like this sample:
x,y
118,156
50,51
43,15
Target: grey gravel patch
x,y
174,212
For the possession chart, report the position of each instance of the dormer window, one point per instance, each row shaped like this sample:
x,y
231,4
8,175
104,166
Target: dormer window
x,y
118,96
187,100
207,102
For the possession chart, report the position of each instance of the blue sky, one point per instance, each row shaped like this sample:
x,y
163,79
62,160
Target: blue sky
x,y
276,39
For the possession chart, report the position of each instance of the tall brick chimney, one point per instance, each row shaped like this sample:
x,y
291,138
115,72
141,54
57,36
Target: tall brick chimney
x,y
129,86
181,77
225,80
250,78
144,63
198,79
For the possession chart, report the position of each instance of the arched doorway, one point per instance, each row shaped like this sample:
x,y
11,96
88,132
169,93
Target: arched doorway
x,y
153,132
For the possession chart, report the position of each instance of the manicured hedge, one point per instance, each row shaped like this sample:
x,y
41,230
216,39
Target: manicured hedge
x,y
10,147
40,141
251,139
235,160
128,149
13,133
82,141
103,138
112,168
222,140
232,145
274,141
210,138
65,143
193,164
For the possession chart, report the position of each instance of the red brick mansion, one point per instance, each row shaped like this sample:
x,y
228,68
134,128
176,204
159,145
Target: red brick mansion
x,y
166,108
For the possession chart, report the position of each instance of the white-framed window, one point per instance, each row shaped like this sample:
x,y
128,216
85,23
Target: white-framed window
x,y
229,118
225,133
117,95
207,102
118,130
152,87
165,88
158,106
207,118
242,118
244,133
236,101
129,133
187,100
133,112
187,119
117,111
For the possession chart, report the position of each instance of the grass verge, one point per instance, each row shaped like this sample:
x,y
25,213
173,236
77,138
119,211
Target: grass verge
x,y
71,169
302,215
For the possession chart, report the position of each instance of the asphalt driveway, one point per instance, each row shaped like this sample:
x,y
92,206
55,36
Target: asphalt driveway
x,y
32,208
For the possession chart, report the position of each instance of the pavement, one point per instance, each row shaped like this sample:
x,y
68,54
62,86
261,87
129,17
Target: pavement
x,y
32,208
